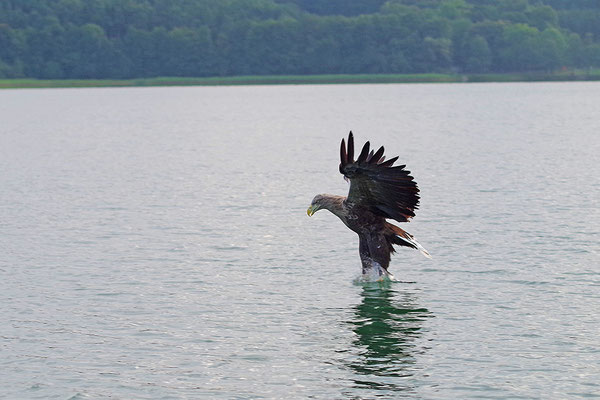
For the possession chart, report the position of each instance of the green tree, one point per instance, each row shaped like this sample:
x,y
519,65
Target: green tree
x,y
45,49
480,56
519,52
438,52
141,38
397,60
553,49
454,9
273,46
87,51
575,50
592,55
322,56
461,51
148,50
542,17
11,44
191,52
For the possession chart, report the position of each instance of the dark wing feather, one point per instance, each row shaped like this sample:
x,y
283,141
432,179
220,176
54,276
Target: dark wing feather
x,y
377,156
387,191
350,147
389,162
362,157
343,155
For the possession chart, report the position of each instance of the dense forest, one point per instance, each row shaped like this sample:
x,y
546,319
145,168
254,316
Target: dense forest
x,y
147,38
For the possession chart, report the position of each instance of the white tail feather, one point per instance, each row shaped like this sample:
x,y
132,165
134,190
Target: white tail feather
x,y
413,242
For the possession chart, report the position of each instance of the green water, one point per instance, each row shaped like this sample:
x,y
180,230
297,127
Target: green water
x,y
155,244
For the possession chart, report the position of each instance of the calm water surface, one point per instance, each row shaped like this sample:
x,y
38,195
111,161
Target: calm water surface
x,y
154,244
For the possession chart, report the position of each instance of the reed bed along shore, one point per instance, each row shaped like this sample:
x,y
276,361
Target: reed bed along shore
x,y
582,75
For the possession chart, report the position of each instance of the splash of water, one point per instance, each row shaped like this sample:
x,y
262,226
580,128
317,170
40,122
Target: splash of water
x,y
375,274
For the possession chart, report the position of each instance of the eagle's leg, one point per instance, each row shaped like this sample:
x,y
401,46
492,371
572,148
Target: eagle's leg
x,y
365,256
369,265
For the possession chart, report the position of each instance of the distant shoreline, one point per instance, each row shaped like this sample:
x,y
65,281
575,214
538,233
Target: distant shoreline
x,y
562,76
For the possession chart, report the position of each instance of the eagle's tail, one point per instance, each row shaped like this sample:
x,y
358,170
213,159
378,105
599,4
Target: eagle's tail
x,y
402,238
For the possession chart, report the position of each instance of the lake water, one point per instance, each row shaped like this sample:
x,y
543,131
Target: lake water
x,y
155,244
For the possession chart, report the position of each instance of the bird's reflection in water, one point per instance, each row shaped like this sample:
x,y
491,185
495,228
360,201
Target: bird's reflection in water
x,y
387,324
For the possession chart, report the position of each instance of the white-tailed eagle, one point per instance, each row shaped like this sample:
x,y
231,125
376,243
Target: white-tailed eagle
x,y
378,191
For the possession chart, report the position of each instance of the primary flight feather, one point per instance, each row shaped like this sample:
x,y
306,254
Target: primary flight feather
x,y
378,191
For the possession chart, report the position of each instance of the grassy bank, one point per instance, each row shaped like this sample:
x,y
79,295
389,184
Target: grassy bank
x,y
587,75
233,80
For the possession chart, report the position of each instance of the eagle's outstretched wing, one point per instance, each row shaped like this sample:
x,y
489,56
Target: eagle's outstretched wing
x,y
376,184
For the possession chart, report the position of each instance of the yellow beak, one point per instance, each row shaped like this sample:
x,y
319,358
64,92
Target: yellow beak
x,y
311,210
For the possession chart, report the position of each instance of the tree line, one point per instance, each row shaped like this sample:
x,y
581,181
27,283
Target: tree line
x,y
61,39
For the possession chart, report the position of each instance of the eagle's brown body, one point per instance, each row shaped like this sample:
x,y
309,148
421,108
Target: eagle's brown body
x,y
377,191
